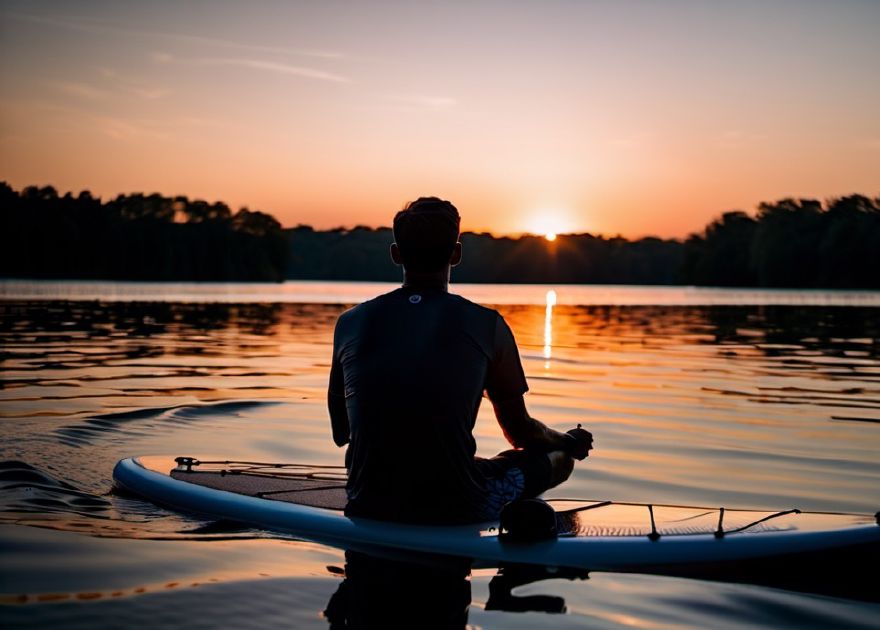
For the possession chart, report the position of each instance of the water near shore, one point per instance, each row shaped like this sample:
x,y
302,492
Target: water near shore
x,y
314,292
741,398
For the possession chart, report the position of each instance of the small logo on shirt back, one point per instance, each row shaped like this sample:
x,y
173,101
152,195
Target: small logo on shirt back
x,y
415,298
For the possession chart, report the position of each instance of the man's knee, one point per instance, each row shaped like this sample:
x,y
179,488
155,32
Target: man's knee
x,y
561,465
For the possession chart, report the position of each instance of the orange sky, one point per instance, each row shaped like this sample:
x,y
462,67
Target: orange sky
x,y
612,117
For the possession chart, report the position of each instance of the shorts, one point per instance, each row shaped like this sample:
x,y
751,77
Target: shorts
x,y
512,475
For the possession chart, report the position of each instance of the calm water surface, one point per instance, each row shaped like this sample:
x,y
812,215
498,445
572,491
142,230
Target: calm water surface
x,y
768,405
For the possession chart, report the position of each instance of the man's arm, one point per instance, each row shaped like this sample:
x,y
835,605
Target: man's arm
x,y
336,400
505,386
523,431
338,418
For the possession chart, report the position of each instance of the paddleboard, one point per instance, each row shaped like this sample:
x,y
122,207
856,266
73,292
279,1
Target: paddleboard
x,y
598,535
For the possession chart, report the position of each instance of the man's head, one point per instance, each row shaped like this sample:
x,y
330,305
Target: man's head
x,y
426,235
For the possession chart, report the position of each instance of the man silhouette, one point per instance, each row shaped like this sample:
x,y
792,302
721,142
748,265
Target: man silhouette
x,y
409,370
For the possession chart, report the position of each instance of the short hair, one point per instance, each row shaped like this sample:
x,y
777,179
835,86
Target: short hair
x,y
426,231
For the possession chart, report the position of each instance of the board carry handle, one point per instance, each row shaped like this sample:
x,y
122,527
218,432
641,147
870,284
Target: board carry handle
x,y
186,463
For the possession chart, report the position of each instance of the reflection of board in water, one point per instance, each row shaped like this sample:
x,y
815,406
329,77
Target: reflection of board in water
x,y
742,545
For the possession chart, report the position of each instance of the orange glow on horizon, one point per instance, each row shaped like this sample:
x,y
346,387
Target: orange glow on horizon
x,y
330,133
551,223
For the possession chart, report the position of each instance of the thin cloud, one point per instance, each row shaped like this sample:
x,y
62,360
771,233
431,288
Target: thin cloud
x,y
82,90
281,68
74,117
125,85
424,101
147,93
125,130
92,26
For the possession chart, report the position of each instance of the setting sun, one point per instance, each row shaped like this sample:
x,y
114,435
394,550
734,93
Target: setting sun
x,y
549,224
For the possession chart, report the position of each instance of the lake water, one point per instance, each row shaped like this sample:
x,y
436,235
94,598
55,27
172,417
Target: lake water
x,y
760,399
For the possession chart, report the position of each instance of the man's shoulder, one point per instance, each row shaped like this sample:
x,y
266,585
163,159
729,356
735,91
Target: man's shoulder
x,y
368,307
465,303
487,317
361,310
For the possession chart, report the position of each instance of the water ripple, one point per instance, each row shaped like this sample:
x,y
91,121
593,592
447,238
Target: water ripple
x,y
138,422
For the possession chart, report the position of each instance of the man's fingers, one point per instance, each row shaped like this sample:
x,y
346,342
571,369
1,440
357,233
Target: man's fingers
x,y
580,442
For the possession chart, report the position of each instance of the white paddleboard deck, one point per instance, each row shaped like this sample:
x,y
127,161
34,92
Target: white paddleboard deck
x,y
596,535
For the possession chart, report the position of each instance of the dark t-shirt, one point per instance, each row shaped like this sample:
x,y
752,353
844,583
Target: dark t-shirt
x,y
413,365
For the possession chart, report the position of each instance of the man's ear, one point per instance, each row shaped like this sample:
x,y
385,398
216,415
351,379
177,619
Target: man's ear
x,y
456,255
395,255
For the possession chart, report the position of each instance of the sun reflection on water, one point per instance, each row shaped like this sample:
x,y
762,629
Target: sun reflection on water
x,y
548,328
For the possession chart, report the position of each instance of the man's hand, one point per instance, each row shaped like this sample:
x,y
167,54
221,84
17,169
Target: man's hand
x,y
579,443
523,431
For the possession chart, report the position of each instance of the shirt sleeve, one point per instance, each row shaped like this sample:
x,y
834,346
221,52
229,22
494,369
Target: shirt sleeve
x,y
337,380
339,423
505,378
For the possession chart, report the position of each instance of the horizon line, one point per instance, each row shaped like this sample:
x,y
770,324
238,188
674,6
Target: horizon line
x,y
825,201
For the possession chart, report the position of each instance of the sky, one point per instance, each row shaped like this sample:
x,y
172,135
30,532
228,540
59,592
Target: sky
x,y
617,117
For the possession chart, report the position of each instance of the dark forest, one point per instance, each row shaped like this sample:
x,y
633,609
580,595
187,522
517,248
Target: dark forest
x,y
135,237
362,254
798,243
790,243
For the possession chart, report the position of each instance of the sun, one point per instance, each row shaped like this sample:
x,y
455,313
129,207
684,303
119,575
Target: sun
x,y
548,223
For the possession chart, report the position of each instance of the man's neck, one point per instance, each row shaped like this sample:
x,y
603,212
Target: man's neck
x,y
426,280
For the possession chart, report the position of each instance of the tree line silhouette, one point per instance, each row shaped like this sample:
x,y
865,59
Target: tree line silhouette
x,y
790,243
135,237
362,254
